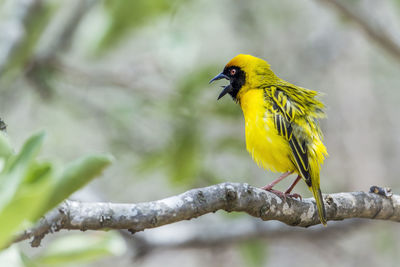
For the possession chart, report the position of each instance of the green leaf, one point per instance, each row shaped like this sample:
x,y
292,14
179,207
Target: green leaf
x,y
11,257
76,175
26,204
21,195
29,188
79,248
5,147
17,167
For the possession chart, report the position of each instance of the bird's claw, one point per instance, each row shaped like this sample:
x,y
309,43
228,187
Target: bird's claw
x,y
283,195
294,195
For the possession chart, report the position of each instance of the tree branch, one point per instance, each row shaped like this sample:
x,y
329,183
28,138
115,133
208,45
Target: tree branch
x,y
376,34
230,232
194,203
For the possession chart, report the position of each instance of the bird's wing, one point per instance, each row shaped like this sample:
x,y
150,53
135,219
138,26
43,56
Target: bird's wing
x,y
285,110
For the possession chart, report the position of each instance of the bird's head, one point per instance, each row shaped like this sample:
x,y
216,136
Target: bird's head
x,y
243,73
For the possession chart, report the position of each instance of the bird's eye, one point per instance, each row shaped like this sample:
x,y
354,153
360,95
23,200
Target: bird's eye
x,y
232,72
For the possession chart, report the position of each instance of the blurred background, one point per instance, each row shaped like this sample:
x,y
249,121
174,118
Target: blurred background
x,y
131,78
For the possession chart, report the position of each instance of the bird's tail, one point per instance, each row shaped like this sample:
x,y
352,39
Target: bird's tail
x,y
320,202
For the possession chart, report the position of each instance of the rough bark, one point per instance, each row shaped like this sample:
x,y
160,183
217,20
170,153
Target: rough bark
x,y
226,196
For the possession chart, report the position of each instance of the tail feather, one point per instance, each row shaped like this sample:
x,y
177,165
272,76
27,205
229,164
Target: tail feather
x,y
320,203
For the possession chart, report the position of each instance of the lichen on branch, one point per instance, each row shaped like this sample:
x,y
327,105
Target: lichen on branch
x,y
196,202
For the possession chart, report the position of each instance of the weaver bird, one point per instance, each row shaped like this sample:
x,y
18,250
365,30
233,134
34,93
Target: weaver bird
x,y
281,123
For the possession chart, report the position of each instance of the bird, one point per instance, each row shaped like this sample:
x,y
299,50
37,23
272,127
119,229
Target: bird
x,y
282,128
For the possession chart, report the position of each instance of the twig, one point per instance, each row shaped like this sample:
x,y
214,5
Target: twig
x,y
54,42
226,196
13,29
61,38
378,35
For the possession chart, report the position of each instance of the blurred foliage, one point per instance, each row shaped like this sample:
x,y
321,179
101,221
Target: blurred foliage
x,y
254,253
397,3
41,76
78,248
125,16
185,151
72,250
189,114
29,187
385,242
182,156
35,25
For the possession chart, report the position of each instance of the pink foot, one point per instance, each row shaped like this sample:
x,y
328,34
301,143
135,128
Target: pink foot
x,y
268,187
294,195
281,194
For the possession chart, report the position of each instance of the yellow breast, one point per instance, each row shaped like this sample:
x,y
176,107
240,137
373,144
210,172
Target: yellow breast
x,y
268,149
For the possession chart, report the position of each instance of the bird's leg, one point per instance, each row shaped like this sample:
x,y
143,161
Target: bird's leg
x,y
268,187
293,185
287,192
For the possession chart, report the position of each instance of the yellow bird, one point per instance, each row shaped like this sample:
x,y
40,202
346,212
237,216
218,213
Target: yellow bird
x,y
281,123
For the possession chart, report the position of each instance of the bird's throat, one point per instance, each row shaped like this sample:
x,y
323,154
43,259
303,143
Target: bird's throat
x,y
237,83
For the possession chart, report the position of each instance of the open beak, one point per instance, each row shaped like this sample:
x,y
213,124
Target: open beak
x,y
226,89
219,77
